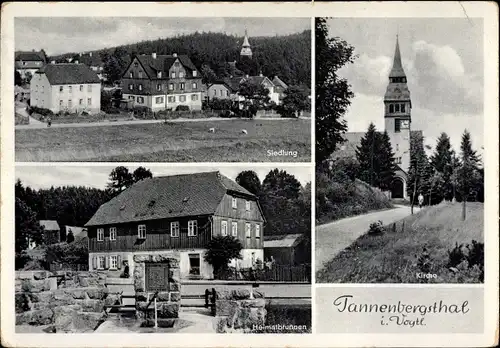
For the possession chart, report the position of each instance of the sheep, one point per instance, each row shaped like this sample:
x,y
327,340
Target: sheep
x,y
211,130
244,131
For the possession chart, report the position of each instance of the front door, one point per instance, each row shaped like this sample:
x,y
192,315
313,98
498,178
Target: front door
x,y
397,188
194,264
156,277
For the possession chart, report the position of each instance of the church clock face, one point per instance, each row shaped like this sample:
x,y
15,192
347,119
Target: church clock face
x,y
405,124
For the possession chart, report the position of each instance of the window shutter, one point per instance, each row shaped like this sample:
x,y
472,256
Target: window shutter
x,y
94,263
119,262
106,262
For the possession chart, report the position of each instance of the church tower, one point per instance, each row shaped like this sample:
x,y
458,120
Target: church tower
x,y
245,49
397,116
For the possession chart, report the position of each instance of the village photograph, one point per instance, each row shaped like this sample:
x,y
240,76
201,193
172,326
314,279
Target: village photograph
x,y
162,89
399,150
162,249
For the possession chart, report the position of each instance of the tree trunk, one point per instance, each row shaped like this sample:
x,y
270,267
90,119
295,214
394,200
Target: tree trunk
x,y
413,195
464,207
430,197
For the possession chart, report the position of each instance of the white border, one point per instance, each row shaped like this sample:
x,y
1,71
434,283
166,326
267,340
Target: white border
x,y
488,11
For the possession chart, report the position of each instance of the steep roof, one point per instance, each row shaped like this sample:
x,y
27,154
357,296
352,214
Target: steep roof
x,y
168,197
397,66
30,56
233,87
91,60
163,63
279,82
282,241
49,225
67,73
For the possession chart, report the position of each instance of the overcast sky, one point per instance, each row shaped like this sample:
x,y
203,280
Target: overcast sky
x,y
443,61
40,176
76,34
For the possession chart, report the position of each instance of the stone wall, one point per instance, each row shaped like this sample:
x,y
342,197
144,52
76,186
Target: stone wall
x,y
239,310
168,301
72,302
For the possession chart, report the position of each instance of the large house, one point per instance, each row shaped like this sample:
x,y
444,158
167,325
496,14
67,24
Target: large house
x,y
181,214
161,82
66,87
28,63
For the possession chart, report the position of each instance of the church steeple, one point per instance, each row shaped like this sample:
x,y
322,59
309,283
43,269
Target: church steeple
x,y
245,49
397,67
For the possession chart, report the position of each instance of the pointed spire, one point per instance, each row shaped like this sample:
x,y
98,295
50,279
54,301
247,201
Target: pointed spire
x,y
245,40
397,66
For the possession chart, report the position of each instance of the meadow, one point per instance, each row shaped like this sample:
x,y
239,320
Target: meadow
x,y
420,243
169,142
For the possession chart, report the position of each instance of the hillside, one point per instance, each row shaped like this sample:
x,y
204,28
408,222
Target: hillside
x,y
336,199
398,255
288,56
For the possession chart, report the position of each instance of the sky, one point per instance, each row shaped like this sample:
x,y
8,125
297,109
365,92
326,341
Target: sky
x,y
45,176
78,34
443,61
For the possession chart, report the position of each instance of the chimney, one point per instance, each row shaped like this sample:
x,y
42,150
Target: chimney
x,y
174,54
153,55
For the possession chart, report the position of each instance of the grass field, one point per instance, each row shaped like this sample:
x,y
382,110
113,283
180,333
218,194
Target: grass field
x,y
393,256
172,142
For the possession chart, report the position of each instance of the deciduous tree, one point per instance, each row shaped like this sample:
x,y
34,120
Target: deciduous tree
x,y
295,100
249,180
221,250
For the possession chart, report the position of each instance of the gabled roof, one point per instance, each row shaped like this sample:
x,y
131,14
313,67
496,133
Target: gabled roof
x,y
94,60
30,56
49,225
168,197
397,67
282,241
278,82
163,63
231,86
67,73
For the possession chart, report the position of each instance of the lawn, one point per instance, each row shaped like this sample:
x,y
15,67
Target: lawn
x,y
171,142
393,257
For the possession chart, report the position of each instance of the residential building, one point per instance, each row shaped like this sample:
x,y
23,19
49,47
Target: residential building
x,y
94,62
279,87
28,63
222,90
66,87
161,82
51,233
178,214
266,82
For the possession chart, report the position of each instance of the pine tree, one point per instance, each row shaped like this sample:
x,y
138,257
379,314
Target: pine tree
x,y
468,172
333,93
418,173
387,166
441,161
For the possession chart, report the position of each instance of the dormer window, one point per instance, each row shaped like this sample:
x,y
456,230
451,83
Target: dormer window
x,y
234,203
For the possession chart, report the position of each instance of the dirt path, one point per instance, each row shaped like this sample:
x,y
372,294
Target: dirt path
x,y
35,124
333,237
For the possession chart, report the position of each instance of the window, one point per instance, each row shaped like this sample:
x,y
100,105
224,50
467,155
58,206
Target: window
x,y
397,107
80,102
140,100
70,103
131,75
171,99
195,85
140,74
159,100
60,103
397,147
136,64
42,88
192,228
131,97
227,93
102,262
112,233
140,87
89,88
113,262
158,74
158,87
223,228
397,125
234,203
177,63
182,98
234,229
194,97
141,231
174,229
247,205
398,160
81,88
170,86
172,75
70,89
195,73
131,87
215,93
391,108
100,234
61,88
181,74
221,91
257,231
182,85
248,230
402,108
89,101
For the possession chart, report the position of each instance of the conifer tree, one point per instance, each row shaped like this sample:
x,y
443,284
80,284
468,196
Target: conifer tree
x,y
468,173
418,173
441,161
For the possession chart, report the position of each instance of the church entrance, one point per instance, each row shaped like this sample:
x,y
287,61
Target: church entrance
x,y
397,189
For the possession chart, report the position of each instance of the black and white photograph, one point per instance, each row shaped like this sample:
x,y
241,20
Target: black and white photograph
x,y
161,249
399,151
155,89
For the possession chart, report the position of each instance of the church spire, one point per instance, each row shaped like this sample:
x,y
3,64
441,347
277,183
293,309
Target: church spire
x,y
397,66
245,49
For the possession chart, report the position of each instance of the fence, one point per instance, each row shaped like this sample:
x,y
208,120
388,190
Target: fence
x,y
277,273
53,267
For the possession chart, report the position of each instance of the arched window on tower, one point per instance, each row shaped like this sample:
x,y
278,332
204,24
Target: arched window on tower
x,y
397,107
391,108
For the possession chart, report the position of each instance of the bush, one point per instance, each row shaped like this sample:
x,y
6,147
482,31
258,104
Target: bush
x,y
376,228
475,254
71,253
182,108
424,262
41,111
288,314
456,256
21,260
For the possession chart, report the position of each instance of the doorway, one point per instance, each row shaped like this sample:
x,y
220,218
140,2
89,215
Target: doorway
x,y
397,189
